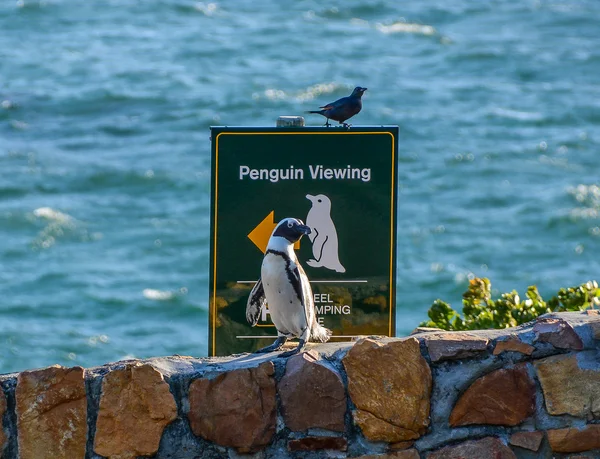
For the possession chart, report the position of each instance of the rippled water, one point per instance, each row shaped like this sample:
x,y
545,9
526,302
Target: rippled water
x,y
105,168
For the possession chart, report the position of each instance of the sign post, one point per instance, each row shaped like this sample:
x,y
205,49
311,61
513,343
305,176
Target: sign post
x,y
340,182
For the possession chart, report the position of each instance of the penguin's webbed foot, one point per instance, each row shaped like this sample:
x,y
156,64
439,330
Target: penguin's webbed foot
x,y
280,341
296,350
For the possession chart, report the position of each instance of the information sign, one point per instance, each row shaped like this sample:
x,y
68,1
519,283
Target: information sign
x,y
340,182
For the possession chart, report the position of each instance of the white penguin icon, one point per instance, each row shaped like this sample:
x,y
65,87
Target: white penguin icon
x,y
323,235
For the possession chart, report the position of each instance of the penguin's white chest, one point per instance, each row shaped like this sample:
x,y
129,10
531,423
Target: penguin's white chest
x,y
284,303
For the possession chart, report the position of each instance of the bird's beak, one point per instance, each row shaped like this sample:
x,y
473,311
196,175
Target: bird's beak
x,y
304,229
310,197
364,89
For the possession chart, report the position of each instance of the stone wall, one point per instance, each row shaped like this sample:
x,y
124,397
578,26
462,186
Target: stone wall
x,y
527,392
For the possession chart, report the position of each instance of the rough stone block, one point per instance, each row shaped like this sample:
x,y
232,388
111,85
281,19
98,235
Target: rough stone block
x,y
572,440
418,330
236,409
489,447
406,454
51,413
513,344
2,411
453,346
503,397
595,325
567,388
390,384
401,445
318,443
528,440
312,395
557,332
135,406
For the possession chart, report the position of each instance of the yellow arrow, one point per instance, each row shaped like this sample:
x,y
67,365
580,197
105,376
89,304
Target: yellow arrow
x,y
262,232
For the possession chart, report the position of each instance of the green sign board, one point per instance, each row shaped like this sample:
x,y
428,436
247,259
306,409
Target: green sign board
x,y
340,182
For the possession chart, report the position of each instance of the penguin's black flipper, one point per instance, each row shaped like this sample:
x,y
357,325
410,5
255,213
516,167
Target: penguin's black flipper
x,y
256,301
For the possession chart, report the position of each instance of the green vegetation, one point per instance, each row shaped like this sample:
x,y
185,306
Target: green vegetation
x,y
480,311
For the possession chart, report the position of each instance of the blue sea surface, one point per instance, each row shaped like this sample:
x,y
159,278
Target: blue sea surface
x,y
105,108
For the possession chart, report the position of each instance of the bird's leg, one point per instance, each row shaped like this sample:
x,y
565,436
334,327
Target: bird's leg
x,y
346,125
299,348
303,338
327,123
280,341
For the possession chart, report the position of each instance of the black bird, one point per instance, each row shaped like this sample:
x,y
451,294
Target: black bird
x,y
344,108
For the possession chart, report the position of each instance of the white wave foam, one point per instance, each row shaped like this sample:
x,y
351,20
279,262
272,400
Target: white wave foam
x,y
309,93
316,90
517,114
59,224
51,214
406,27
208,9
157,295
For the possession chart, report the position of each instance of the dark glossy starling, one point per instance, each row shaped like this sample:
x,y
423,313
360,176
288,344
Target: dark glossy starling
x,y
344,108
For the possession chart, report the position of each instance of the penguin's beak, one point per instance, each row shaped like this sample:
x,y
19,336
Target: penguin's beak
x,y
303,229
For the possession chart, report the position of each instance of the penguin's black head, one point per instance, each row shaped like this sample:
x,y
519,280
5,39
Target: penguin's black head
x,y
292,229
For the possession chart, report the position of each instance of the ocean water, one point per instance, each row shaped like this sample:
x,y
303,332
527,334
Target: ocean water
x,y
105,110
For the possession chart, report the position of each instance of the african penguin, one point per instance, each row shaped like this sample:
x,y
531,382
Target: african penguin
x,y
283,285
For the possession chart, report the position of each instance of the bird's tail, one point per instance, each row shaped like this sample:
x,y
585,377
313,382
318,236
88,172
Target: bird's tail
x,y
319,333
